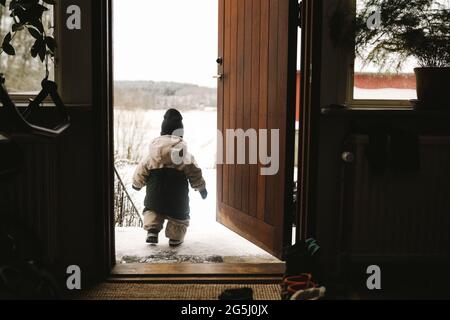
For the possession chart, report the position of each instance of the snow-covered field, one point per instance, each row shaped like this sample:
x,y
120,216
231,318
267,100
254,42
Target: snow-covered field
x,y
135,129
205,238
385,94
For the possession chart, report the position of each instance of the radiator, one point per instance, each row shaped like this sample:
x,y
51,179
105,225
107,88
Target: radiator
x,y
397,215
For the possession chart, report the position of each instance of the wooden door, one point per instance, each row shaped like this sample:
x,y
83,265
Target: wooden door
x,y
258,49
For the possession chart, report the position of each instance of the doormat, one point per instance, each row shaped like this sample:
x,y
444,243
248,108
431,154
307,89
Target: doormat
x,y
147,291
168,256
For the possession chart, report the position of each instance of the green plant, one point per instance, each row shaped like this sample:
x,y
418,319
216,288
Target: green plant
x,y
27,16
409,28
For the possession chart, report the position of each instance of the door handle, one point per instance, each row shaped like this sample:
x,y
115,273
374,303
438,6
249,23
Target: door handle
x,y
348,157
218,77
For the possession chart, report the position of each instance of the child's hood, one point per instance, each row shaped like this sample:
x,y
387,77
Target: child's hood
x,y
162,148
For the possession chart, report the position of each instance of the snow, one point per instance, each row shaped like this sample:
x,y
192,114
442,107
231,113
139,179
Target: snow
x,y
205,237
385,94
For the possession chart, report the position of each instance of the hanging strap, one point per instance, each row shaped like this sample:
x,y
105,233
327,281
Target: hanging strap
x,y
19,120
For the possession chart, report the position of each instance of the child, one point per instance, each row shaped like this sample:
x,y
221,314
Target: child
x,y
166,172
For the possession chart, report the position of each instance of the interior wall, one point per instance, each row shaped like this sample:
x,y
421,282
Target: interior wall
x,y
82,230
333,131
58,197
74,55
324,217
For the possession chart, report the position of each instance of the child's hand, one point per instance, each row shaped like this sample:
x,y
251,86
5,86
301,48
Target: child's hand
x,y
204,194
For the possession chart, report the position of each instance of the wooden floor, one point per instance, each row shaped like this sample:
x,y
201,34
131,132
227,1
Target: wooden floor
x,y
199,273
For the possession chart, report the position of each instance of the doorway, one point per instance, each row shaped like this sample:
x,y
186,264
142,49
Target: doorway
x,y
164,58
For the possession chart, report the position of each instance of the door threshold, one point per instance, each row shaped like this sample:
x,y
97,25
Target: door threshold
x,y
208,273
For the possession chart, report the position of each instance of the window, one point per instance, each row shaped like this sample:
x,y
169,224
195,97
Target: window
x,y
384,80
371,83
23,73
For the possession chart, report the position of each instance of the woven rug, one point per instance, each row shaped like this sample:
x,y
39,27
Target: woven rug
x,y
148,291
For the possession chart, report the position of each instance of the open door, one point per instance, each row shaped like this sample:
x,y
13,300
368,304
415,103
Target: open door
x,y
256,90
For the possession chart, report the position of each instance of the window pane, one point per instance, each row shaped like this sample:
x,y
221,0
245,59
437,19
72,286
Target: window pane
x,y
23,73
385,80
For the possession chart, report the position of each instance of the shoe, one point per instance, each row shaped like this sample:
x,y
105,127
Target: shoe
x,y
152,238
301,279
175,243
237,294
309,294
293,284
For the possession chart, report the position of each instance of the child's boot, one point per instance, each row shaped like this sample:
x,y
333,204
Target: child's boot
x,y
175,243
152,237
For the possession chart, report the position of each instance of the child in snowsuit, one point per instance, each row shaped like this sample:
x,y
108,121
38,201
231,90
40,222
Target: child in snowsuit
x,y
166,172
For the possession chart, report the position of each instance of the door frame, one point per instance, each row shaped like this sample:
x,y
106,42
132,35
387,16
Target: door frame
x,y
103,104
311,57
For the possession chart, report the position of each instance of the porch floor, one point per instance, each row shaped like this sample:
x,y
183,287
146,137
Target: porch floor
x,y
214,245
206,241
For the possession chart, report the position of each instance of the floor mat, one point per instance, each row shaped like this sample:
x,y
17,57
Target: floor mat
x,y
147,291
168,256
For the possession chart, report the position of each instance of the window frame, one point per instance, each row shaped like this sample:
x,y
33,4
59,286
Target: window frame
x,y
368,103
25,98
350,101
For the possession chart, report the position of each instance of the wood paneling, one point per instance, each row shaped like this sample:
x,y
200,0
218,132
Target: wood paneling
x,y
258,92
255,102
397,214
29,201
54,195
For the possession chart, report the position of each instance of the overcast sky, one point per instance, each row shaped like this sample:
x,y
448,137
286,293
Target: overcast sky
x,y
166,40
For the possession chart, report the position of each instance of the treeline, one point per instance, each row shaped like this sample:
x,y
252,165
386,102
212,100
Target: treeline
x,y
163,95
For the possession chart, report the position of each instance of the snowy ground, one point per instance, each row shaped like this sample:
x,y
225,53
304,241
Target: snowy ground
x,y
207,241
385,94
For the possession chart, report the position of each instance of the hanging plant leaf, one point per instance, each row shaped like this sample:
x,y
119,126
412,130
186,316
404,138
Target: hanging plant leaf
x,y
17,27
28,14
42,53
33,52
51,43
38,25
7,38
37,47
13,5
35,33
6,45
8,49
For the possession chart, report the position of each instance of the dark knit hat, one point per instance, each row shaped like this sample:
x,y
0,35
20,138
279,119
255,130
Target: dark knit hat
x,y
173,121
